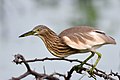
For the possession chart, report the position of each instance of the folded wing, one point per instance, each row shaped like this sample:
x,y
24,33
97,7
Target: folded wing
x,y
85,38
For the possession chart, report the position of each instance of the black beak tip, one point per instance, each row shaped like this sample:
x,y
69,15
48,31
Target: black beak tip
x,y
21,36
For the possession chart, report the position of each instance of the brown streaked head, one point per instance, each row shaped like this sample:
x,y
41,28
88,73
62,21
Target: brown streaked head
x,y
38,30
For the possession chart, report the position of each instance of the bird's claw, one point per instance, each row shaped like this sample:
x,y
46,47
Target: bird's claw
x,y
91,73
78,68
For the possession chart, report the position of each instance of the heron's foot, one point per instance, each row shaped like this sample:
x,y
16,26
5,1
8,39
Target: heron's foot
x,y
78,68
91,72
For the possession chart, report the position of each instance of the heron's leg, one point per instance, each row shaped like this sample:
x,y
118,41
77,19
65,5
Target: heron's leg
x,y
87,59
96,62
77,67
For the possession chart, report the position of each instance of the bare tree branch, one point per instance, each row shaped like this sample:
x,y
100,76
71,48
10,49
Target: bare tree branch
x,y
20,59
38,76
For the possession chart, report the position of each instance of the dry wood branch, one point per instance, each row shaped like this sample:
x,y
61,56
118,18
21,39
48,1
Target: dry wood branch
x,y
20,59
38,76
63,59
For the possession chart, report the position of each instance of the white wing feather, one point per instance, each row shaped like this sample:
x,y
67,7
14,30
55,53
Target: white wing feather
x,y
98,41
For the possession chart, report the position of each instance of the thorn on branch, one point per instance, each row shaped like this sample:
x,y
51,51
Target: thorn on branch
x,y
115,74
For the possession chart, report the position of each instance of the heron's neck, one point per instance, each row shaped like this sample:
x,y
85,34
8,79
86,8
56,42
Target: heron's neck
x,y
55,45
50,37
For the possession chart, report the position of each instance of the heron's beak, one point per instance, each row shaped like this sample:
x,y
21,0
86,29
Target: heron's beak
x,y
27,34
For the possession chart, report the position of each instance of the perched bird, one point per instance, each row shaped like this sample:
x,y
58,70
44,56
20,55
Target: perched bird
x,y
80,39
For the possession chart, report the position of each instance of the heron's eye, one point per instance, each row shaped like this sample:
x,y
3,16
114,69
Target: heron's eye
x,y
38,30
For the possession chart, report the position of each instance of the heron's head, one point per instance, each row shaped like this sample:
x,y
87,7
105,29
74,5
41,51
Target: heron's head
x,y
37,31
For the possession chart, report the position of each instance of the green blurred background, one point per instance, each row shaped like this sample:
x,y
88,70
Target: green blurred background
x,y
19,16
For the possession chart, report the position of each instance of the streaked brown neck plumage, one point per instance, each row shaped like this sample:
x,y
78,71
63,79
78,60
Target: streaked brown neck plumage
x,y
55,45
